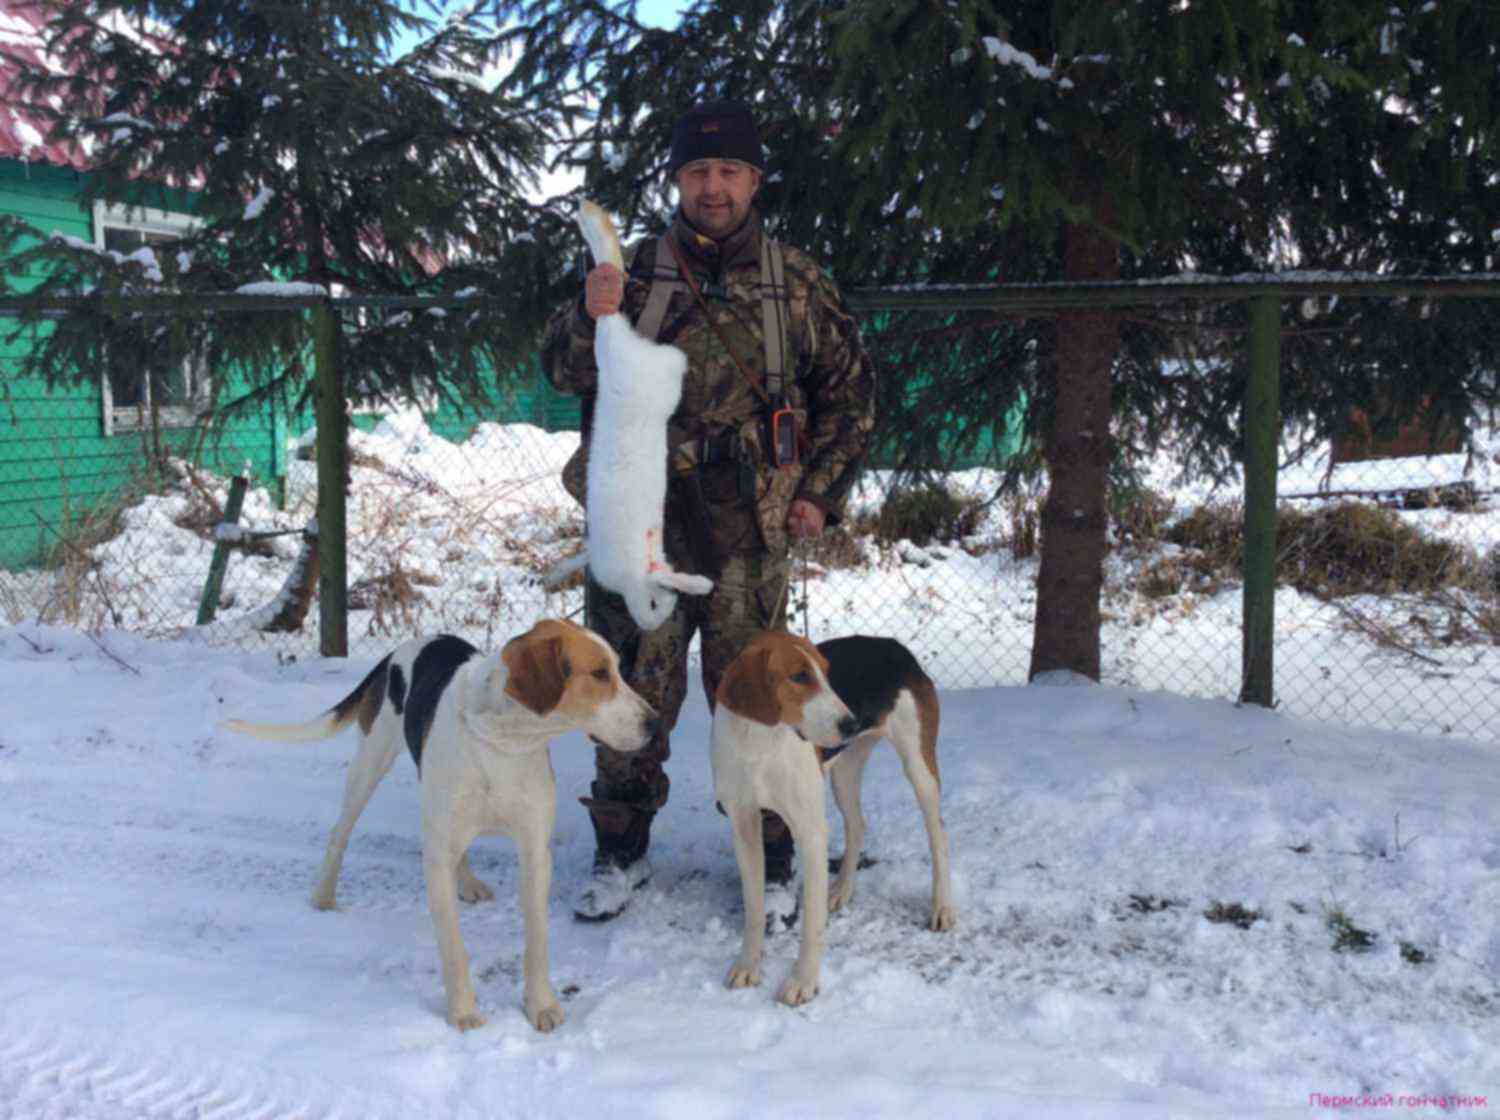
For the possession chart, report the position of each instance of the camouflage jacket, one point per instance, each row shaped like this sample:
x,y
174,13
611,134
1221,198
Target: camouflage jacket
x,y
829,381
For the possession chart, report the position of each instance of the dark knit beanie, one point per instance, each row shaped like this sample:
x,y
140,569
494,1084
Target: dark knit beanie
x,y
717,130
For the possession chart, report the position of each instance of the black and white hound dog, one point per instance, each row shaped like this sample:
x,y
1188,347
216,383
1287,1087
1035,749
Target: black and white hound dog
x,y
478,728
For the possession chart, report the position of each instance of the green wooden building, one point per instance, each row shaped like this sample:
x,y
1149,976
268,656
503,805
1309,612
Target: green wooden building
x,y
71,452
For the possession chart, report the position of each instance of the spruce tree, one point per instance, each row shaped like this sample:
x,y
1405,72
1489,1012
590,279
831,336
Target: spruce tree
x,y
973,142
309,155
308,152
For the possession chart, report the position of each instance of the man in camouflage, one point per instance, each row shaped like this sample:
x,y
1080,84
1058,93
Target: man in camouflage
x,y
731,509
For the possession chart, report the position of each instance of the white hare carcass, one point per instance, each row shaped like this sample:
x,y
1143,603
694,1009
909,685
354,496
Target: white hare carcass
x,y
640,383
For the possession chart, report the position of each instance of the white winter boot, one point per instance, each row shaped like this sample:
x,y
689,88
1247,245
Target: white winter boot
x,y
608,890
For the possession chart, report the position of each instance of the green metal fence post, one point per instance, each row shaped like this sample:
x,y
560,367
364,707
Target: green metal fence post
x,y
1262,440
333,472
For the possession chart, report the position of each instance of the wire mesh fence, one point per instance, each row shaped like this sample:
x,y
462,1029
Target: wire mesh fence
x,y
1386,605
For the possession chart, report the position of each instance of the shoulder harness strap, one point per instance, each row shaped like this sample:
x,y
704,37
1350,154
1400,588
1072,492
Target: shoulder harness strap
x,y
775,313
666,280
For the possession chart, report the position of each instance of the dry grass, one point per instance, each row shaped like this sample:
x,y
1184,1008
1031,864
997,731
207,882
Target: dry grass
x,y
923,514
836,549
1360,557
1024,520
1401,590
1179,572
1347,549
77,592
1233,913
1140,517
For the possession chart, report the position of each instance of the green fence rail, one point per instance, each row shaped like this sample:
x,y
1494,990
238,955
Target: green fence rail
x,y
1257,677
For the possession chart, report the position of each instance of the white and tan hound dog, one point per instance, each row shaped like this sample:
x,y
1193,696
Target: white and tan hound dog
x,y
477,727
781,703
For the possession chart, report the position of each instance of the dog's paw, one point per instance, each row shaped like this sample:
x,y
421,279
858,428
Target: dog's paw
x,y
797,991
546,1018
943,919
840,897
324,900
467,1021
474,889
742,975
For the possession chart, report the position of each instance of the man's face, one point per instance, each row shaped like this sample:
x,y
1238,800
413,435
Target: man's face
x,y
716,194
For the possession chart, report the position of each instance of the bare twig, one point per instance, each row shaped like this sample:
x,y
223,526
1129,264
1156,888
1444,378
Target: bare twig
x,y
89,564
1400,847
111,654
1381,634
1453,601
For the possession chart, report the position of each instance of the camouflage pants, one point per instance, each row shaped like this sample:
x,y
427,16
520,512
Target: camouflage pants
x,y
748,596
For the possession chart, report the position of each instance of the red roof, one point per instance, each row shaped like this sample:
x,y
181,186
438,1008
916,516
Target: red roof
x,y
22,35
22,135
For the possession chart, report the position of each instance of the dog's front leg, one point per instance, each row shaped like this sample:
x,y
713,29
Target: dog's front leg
x,y
440,856
751,858
809,828
542,1008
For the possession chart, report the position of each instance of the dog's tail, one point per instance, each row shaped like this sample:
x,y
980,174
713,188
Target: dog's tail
x,y
363,703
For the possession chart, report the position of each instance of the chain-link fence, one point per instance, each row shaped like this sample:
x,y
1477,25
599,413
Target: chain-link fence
x,y
1386,608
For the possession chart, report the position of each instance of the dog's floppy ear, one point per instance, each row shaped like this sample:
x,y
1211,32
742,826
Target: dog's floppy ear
x,y
747,689
538,670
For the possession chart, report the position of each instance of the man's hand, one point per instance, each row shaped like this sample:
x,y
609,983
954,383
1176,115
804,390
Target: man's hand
x,y
803,519
603,290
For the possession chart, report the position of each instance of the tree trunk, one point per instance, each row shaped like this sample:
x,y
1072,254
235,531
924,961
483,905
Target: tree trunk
x,y
329,399
1074,517
333,479
295,598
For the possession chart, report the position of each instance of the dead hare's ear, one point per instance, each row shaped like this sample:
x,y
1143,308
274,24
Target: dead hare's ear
x,y
747,691
537,671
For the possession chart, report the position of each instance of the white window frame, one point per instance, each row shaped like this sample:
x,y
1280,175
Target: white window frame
x,y
132,418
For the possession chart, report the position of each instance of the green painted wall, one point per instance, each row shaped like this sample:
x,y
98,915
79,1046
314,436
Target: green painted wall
x,y
993,446
56,464
526,399
58,468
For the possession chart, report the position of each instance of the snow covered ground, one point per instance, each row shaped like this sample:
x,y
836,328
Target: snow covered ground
x,y
453,536
1165,901
163,960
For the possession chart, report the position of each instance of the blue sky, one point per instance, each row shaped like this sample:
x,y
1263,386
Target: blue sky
x,y
662,13
659,13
